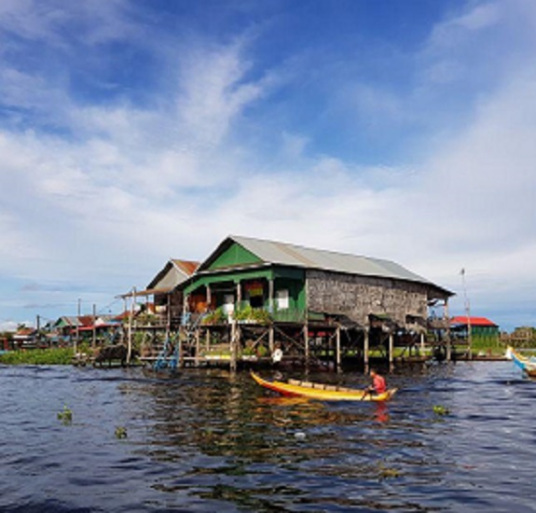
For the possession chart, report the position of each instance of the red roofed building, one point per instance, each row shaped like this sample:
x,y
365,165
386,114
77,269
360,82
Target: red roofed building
x,y
480,326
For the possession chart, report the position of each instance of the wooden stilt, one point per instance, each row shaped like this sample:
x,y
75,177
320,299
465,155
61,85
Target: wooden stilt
x,y
391,351
208,296
306,343
448,341
130,318
271,295
234,331
338,347
198,348
180,362
422,345
366,343
238,296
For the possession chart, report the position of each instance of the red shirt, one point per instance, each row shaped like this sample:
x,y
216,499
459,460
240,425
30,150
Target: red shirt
x,y
378,382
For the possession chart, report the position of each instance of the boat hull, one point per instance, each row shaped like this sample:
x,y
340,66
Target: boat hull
x,y
321,392
527,365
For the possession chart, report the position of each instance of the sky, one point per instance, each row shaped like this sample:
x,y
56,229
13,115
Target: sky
x,y
135,131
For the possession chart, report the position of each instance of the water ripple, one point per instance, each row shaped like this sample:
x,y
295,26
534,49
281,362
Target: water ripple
x,y
210,441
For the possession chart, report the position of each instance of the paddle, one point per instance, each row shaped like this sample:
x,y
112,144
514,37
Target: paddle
x,y
366,392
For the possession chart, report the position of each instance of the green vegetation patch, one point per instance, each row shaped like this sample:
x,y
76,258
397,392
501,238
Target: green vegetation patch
x,y
120,432
66,416
56,356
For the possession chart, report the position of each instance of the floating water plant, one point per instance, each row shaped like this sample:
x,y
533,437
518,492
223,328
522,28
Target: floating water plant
x,y
441,410
120,432
387,472
66,416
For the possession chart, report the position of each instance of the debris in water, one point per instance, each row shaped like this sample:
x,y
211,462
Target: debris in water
x,y
120,432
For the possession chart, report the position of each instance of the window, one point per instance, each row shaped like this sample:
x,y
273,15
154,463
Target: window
x,y
255,294
281,299
228,304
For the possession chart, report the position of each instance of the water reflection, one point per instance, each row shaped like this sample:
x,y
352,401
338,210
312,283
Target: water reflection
x,y
207,441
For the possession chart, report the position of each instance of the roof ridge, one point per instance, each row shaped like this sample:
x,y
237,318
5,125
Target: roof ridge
x,y
300,246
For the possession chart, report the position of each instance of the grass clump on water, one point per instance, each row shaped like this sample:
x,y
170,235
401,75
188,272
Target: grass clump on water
x,y
53,356
66,416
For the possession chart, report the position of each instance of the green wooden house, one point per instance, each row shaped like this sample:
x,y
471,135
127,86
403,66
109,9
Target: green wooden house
x,y
295,284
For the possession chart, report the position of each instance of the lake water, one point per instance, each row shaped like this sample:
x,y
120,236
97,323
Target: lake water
x,y
209,441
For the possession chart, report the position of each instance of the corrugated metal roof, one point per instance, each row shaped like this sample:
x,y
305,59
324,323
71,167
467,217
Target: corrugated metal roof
x,y
146,292
289,254
173,274
186,266
475,321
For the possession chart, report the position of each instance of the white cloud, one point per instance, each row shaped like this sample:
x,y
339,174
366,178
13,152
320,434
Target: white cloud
x,y
11,326
128,187
461,27
96,21
215,90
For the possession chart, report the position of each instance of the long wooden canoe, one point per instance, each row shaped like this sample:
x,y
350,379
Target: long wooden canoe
x,y
527,365
310,390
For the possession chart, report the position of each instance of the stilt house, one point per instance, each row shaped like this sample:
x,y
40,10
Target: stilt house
x,y
166,288
300,285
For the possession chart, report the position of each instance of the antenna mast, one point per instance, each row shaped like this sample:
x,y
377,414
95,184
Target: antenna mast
x,y
467,314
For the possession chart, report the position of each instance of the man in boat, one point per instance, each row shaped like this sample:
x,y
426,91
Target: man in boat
x,y
378,383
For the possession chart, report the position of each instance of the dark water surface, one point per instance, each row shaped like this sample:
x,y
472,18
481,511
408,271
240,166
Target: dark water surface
x,y
208,441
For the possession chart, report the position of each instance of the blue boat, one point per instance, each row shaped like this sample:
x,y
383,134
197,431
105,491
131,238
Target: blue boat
x,y
527,365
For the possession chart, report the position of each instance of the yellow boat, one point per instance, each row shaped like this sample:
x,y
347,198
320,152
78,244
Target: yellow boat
x,y
310,390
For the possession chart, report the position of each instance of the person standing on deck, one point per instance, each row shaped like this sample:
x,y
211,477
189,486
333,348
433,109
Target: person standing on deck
x,y
277,355
378,383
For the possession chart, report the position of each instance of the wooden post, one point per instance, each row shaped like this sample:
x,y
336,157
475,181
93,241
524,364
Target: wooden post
x,y
306,326
180,362
422,345
198,346
338,347
271,296
38,329
238,296
366,343
271,344
130,319
184,309
391,350
306,341
168,310
447,320
209,297
234,330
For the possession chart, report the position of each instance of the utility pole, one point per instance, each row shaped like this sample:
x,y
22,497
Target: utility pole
x,y
77,339
467,314
37,330
130,319
94,343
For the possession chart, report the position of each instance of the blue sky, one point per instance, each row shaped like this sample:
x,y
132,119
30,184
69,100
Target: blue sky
x,y
132,132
